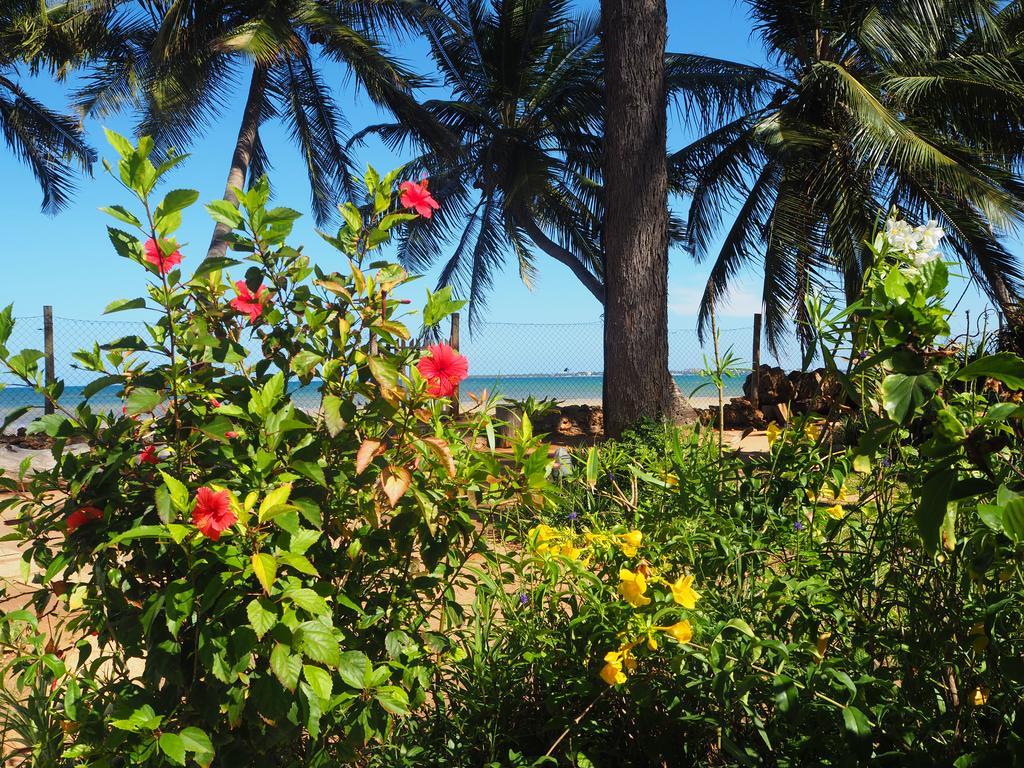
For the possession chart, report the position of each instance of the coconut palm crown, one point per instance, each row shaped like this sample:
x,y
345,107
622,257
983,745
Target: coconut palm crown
x,y
867,106
51,143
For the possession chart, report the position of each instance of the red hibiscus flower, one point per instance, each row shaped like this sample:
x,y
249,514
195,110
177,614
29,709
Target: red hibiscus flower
x,y
156,257
443,368
247,302
212,513
417,196
230,435
82,516
148,455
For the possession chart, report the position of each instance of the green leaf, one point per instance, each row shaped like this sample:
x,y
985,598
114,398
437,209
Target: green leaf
x,y
384,371
317,642
264,566
1003,366
262,616
172,745
740,626
308,600
319,680
1013,520
212,265
119,142
122,304
896,285
176,200
332,415
285,665
439,306
934,506
593,466
856,722
225,213
143,400
126,245
902,394
394,699
354,668
351,215
122,214
276,498
178,492
199,744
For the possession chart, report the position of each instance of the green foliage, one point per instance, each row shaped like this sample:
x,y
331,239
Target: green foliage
x,y
231,580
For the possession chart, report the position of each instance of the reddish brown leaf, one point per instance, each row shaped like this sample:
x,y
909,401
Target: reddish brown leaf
x,y
366,453
440,448
395,481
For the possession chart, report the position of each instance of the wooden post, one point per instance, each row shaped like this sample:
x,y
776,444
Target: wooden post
x,y
755,361
50,372
454,343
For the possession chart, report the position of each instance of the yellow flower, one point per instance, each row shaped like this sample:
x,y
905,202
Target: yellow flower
x,y
812,432
613,675
681,631
773,432
683,592
612,672
630,542
542,533
836,511
979,697
978,637
567,550
632,587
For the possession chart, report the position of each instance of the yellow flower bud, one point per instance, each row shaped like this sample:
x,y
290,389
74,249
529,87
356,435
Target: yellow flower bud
x,y
681,631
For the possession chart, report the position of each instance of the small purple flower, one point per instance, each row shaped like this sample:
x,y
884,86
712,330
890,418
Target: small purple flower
x,y
798,526
886,463
862,355
572,516
524,598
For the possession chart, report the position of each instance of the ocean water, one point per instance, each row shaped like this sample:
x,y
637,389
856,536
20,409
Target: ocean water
x,y
569,389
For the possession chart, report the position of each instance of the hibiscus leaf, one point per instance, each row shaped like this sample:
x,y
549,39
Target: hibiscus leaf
x,y
319,680
172,745
368,450
317,642
395,481
354,667
262,616
177,490
142,400
264,566
286,666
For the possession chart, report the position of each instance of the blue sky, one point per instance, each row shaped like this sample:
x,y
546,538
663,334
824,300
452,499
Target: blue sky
x,y
67,261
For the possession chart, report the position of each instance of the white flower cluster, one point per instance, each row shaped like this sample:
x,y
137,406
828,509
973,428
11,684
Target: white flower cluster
x,y
919,244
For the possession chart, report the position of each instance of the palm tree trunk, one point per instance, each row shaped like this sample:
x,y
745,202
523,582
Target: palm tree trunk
x,y
637,382
242,156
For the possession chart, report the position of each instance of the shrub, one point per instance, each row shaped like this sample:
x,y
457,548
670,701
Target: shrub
x,y
227,577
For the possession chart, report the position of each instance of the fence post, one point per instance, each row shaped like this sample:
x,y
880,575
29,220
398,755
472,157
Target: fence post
x,y
454,343
49,368
755,362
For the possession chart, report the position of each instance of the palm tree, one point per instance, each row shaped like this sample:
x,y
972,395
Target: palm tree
x,y
52,144
178,63
522,168
916,104
637,382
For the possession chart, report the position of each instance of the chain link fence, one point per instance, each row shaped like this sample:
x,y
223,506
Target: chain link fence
x,y
516,360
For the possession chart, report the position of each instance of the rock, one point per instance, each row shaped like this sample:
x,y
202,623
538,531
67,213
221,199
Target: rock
x,y
773,386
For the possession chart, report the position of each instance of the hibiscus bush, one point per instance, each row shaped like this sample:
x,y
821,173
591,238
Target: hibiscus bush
x,y
218,576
